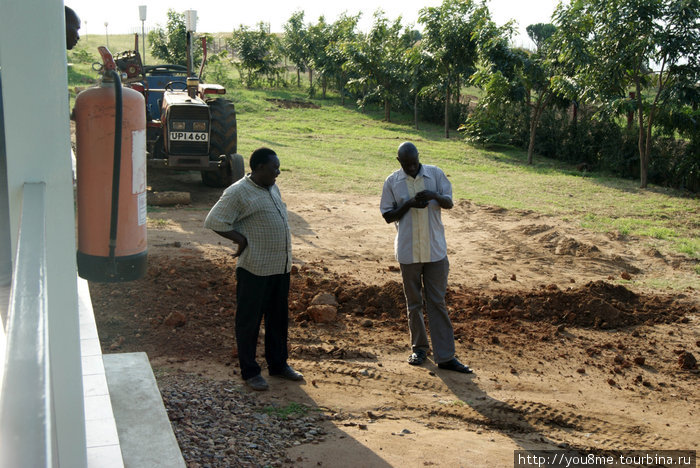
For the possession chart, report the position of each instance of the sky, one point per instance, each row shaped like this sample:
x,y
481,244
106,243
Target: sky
x,y
214,16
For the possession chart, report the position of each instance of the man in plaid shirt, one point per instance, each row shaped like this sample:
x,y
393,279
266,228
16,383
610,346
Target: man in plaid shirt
x,y
251,213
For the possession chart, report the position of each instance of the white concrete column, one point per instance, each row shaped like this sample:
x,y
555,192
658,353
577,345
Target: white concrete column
x,y
5,241
37,141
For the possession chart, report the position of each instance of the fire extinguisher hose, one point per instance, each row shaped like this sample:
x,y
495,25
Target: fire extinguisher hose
x,y
116,170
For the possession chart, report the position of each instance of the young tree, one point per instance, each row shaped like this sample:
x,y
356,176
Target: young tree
x,y
449,37
170,44
421,66
539,33
257,50
295,37
649,46
377,59
497,116
317,39
341,32
538,70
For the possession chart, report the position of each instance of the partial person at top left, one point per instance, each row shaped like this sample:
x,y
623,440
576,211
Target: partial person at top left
x,y
72,26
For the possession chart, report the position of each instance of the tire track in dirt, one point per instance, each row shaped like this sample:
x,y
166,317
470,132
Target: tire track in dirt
x,y
544,247
497,240
557,426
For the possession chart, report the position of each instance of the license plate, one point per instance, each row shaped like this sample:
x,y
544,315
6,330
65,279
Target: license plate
x,y
189,136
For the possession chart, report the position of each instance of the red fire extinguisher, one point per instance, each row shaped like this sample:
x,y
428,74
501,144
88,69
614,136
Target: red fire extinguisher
x,y
111,179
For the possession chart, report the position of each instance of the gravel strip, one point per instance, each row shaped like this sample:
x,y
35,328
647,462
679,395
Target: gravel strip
x,y
220,424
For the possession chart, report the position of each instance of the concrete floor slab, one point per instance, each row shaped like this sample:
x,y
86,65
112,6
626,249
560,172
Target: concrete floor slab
x,y
145,435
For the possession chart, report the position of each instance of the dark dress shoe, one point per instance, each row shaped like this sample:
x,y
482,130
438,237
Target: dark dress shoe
x,y
454,365
289,374
417,357
257,383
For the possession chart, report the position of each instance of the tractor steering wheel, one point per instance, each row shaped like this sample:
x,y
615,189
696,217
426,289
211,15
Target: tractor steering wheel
x,y
170,86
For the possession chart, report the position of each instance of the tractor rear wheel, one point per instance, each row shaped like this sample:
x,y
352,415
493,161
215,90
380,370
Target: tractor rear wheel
x,y
231,169
223,141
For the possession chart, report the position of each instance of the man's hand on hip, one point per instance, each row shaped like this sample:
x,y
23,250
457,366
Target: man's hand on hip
x,y
237,238
242,244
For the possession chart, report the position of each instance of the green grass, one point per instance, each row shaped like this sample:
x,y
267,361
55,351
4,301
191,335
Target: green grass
x,y
284,412
158,223
690,247
341,150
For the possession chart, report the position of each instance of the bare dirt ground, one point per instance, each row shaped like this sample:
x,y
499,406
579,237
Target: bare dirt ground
x,y
566,353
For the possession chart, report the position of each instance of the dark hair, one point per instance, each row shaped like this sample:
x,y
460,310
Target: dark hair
x,y
261,156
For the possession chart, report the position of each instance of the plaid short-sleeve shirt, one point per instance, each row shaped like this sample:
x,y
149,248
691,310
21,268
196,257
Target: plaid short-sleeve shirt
x,y
260,215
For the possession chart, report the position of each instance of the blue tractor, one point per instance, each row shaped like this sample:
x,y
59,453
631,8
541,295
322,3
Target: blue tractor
x,y
189,127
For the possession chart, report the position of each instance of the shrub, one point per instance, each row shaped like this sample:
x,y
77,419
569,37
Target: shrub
x,y
81,56
602,144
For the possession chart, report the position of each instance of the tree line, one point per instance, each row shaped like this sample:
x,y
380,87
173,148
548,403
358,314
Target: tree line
x,y
610,84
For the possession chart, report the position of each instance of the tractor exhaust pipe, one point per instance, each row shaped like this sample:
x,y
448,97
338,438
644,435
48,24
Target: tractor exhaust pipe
x,y
204,57
189,53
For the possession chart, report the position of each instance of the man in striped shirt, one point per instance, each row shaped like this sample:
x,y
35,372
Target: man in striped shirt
x,y
251,213
413,198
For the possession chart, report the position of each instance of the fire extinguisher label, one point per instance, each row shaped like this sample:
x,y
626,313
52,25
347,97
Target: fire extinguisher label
x,y
138,161
142,208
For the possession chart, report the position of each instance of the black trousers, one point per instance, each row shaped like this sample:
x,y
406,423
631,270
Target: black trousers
x,y
258,297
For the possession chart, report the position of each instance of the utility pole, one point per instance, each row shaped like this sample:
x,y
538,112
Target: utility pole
x,y
142,16
190,27
106,34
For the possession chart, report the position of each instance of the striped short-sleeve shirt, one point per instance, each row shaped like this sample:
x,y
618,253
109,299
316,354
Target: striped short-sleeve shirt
x,y
259,214
420,236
